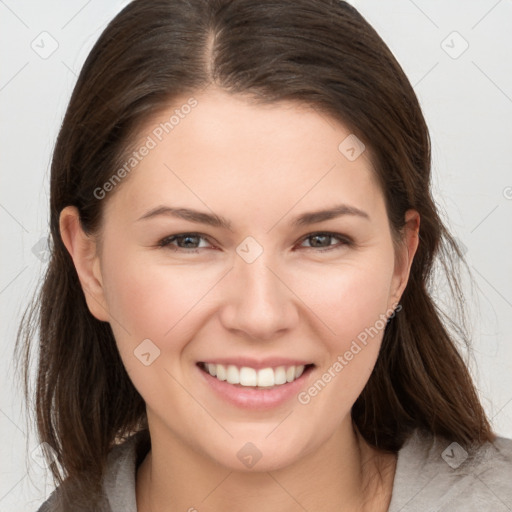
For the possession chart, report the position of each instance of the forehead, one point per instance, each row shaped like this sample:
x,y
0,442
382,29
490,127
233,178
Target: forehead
x,y
230,150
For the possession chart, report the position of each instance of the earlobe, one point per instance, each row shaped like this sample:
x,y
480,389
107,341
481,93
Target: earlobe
x,y
406,253
83,251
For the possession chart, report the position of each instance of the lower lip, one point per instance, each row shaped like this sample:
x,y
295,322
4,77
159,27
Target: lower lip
x,y
257,399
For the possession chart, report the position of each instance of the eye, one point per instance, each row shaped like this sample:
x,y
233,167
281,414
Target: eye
x,y
320,238
186,242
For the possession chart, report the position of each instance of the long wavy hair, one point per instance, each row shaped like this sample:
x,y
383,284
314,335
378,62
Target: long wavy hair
x,y
321,53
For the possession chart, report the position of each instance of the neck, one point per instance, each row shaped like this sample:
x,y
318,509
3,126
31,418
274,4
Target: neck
x,y
344,474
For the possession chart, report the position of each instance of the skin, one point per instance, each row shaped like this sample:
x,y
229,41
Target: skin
x,y
258,166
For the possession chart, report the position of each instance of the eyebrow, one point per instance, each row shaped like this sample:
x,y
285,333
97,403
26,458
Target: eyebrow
x,y
217,221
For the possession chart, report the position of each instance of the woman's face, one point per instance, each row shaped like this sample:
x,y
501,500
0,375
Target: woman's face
x,y
257,300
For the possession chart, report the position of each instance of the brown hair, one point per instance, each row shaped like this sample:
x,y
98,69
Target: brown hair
x,y
321,53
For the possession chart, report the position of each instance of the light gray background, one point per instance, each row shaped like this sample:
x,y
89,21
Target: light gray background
x,y
467,101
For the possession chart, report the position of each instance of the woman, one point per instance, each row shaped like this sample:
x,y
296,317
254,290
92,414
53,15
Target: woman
x,y
237,311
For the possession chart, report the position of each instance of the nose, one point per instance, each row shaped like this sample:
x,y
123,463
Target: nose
x,y
260,302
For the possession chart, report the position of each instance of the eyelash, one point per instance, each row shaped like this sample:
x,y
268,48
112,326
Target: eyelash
x,y
345,241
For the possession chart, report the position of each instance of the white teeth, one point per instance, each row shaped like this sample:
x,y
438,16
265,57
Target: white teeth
x,y
266,377
248,376
221,372
245,376
233,375
280,375
212,369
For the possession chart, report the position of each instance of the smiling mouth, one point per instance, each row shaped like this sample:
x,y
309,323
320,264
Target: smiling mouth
x,y
247,377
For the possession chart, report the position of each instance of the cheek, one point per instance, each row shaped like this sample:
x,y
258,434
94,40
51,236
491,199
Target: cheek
x,y
150,300
349,298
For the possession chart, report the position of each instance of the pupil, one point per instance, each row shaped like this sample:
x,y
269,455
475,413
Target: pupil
x,y
316,237
188,238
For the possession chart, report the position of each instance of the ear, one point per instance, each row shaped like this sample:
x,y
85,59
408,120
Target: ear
x,y
405,255
84,252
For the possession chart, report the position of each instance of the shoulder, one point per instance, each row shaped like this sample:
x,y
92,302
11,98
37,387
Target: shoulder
x,y
435,472
118,483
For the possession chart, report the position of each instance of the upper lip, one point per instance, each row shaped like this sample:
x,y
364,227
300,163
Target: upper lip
x,y
257,364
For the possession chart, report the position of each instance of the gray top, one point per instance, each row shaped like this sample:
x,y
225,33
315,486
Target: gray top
x,y
432,475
